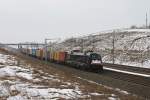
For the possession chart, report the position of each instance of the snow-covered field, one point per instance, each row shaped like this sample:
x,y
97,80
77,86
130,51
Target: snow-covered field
x,y
20,82
13,88
132,46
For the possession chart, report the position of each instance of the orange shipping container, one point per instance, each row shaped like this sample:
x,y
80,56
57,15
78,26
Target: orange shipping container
x,y
62,56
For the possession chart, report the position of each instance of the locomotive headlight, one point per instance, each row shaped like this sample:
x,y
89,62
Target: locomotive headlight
x,y
96,62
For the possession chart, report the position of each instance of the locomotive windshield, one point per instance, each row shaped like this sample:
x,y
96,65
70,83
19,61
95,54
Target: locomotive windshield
x,y
95,56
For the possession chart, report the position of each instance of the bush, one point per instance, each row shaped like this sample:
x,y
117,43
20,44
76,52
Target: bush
x,y
133,27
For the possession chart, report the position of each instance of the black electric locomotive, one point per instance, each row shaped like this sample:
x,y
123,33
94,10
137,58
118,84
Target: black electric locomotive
x,y
85,61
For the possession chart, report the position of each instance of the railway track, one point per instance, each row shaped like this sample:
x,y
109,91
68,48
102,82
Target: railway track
x,y
138,85
128,68
141,80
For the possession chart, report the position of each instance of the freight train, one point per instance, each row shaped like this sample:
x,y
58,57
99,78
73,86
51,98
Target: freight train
x,y
85,61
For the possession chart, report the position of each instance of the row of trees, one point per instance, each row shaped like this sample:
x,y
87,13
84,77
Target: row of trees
x,y
140,27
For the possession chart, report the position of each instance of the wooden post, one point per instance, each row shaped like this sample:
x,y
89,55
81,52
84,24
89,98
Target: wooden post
x,y
113,50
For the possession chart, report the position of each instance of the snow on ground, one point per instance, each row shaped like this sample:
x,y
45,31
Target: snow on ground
x,y
120,60
27,90
136,30
7,59
112,95
18,82
111,98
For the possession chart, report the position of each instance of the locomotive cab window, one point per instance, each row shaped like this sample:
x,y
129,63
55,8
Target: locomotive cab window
x,y
95,56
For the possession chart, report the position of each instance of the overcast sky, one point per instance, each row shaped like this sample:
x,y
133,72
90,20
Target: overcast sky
x,y
34,20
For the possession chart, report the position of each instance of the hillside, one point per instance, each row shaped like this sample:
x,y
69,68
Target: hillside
x,y
131,46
